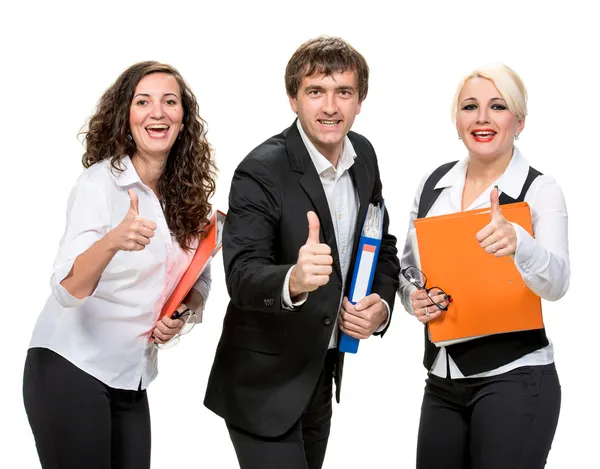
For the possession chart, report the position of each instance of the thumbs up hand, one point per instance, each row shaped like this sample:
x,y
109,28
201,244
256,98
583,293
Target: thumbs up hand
x,y
314,263
134,232
498,237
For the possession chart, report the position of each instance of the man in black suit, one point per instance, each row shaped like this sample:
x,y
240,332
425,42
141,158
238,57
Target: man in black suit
x,y
296,209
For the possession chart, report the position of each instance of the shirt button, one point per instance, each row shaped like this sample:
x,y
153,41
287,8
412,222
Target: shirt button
x,y
340,216
327,321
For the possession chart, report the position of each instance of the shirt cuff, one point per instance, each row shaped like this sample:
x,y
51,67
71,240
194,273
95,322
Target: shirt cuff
x,y
62,295
530,257
286,300
387,319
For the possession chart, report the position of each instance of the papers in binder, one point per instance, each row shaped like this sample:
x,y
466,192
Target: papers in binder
x,y
364,267
207,248
489,294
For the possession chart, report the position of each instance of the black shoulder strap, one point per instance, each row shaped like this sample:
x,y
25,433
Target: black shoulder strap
x,y
505,199
430,194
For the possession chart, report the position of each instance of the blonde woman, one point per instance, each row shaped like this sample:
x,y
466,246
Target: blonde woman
x,y
492,402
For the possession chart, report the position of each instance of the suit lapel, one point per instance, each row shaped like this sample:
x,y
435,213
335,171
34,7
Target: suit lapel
x,y
359,175
311,183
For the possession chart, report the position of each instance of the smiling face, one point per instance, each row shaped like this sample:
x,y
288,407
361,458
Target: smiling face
x,y
156,115
326,107
484,123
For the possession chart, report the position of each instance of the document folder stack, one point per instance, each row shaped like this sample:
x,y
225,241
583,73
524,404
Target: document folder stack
x,y
364,267
489,294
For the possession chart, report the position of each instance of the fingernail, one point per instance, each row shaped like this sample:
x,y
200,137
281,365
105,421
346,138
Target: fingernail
x,y
358,306
496,186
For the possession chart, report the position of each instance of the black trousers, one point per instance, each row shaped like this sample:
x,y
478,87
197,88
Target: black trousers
x,y
500,422
301,447
78,422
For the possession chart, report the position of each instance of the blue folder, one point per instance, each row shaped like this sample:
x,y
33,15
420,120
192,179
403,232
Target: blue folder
x,y
364,267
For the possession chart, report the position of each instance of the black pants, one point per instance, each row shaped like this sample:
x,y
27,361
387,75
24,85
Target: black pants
x,y
304,445
500,422
78,422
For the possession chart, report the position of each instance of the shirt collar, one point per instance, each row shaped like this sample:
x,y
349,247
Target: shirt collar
x,y
321,163
511,182
129,175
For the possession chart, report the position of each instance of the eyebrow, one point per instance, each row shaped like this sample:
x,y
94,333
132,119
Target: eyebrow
x,y
337,88
146,95
475,99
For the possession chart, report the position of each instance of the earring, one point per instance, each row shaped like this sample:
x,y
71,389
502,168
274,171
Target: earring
x,y
129,137
459,137
517,137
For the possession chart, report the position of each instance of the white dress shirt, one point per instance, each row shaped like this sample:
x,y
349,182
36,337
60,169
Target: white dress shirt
x,y
343,203
543,261
107,334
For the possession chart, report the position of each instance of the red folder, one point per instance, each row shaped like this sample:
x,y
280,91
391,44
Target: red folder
x,y
489,294
207,248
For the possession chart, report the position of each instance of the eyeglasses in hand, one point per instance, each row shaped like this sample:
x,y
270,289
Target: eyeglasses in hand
x,y
190,318
419,280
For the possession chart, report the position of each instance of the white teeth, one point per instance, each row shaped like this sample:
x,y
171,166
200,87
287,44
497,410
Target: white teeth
x,y
329,122
158,127
484,134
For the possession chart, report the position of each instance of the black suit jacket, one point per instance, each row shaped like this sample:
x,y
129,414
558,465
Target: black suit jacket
x,y
269,359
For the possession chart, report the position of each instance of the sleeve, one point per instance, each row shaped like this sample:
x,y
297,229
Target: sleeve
x,y
410,253
254,280
204,283
88,220
543,260
287,302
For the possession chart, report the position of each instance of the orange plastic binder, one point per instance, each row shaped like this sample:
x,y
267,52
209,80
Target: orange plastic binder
x,y
489,295
208,247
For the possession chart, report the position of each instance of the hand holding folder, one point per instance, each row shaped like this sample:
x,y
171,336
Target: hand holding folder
x,y
207,248
364,267
489,294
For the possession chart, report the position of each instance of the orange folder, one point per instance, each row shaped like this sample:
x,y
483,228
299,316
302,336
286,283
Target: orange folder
x,y
489,295
208,247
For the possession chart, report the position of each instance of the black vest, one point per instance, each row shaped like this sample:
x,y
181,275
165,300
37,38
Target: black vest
x,y
491,352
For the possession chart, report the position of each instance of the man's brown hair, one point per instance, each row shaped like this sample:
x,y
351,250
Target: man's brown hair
x,y
325,56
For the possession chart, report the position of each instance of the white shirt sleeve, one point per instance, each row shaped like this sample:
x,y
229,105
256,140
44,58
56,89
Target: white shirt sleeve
x,y
286,300
543,260
410,254
88,220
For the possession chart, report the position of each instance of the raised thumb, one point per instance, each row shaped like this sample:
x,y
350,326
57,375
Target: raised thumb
x,y
313,228
134,202
495,211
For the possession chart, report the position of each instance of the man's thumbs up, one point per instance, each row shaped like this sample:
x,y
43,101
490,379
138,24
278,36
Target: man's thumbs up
x,y
314,265
313,228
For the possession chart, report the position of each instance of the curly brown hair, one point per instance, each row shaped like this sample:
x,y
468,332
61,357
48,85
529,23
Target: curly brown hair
x,y
326,55
188,180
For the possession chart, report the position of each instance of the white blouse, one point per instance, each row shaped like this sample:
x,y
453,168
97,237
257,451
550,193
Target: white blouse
x,y
542,261
107,334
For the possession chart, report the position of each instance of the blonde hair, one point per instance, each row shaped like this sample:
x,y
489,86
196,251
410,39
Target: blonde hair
x,y
509,85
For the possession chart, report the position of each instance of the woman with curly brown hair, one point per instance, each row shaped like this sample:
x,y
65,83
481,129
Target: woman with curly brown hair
x,y
134,219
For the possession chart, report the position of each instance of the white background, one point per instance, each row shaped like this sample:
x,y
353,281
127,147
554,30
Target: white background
x,y
57,59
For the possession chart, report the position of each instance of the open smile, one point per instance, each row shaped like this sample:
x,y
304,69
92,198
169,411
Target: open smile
x,y
157,130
